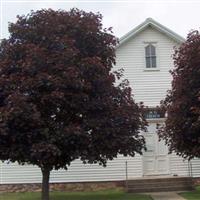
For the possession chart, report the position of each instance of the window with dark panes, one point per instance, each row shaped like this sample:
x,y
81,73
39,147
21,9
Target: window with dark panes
x,y
150,55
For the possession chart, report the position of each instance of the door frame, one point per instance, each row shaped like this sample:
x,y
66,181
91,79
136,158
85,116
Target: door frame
x,y
158,120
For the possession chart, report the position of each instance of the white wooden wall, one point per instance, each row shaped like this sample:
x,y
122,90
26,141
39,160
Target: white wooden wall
x,y
148,86
181,167
77,172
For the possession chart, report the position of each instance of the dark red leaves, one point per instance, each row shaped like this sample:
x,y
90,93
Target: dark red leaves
x,y
58,99
182,130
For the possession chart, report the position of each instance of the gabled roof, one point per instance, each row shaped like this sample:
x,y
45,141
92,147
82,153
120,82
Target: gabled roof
x,y
151,22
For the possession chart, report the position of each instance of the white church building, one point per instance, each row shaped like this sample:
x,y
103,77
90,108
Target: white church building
x,y
145,54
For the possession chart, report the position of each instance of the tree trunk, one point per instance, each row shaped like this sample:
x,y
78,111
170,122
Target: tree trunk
x,y
45,183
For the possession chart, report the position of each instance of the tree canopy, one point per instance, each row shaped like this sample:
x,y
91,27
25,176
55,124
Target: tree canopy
x,y
59,98
182,103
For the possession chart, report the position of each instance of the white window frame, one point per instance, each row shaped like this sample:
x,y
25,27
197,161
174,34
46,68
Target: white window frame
x,y
155,44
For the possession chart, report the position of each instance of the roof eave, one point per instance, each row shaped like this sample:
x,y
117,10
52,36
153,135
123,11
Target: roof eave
x,y
156,25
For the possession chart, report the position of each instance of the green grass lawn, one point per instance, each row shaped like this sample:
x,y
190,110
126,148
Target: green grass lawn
x,y
192,195
100,195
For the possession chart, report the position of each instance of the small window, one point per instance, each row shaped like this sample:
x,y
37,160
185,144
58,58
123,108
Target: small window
x,y
150,55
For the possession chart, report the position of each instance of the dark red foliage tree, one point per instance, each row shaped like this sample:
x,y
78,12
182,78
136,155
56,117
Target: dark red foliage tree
x,y
59,100
182,127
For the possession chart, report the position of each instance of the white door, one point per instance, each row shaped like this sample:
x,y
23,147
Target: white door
x,y
155,159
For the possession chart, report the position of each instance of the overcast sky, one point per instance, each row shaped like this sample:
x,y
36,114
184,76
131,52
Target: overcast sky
x,y
179,15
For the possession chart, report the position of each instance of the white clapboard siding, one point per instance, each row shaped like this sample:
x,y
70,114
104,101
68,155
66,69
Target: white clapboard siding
x,y
195,167
77,172
178,165
182,167
148,86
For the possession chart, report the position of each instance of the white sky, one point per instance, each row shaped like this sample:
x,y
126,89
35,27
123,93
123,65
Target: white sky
x,y
179,15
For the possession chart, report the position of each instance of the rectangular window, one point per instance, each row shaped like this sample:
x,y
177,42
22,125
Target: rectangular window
x,y
150,55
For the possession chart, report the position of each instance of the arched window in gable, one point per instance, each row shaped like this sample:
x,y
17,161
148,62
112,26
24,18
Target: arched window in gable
x,y
150,56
